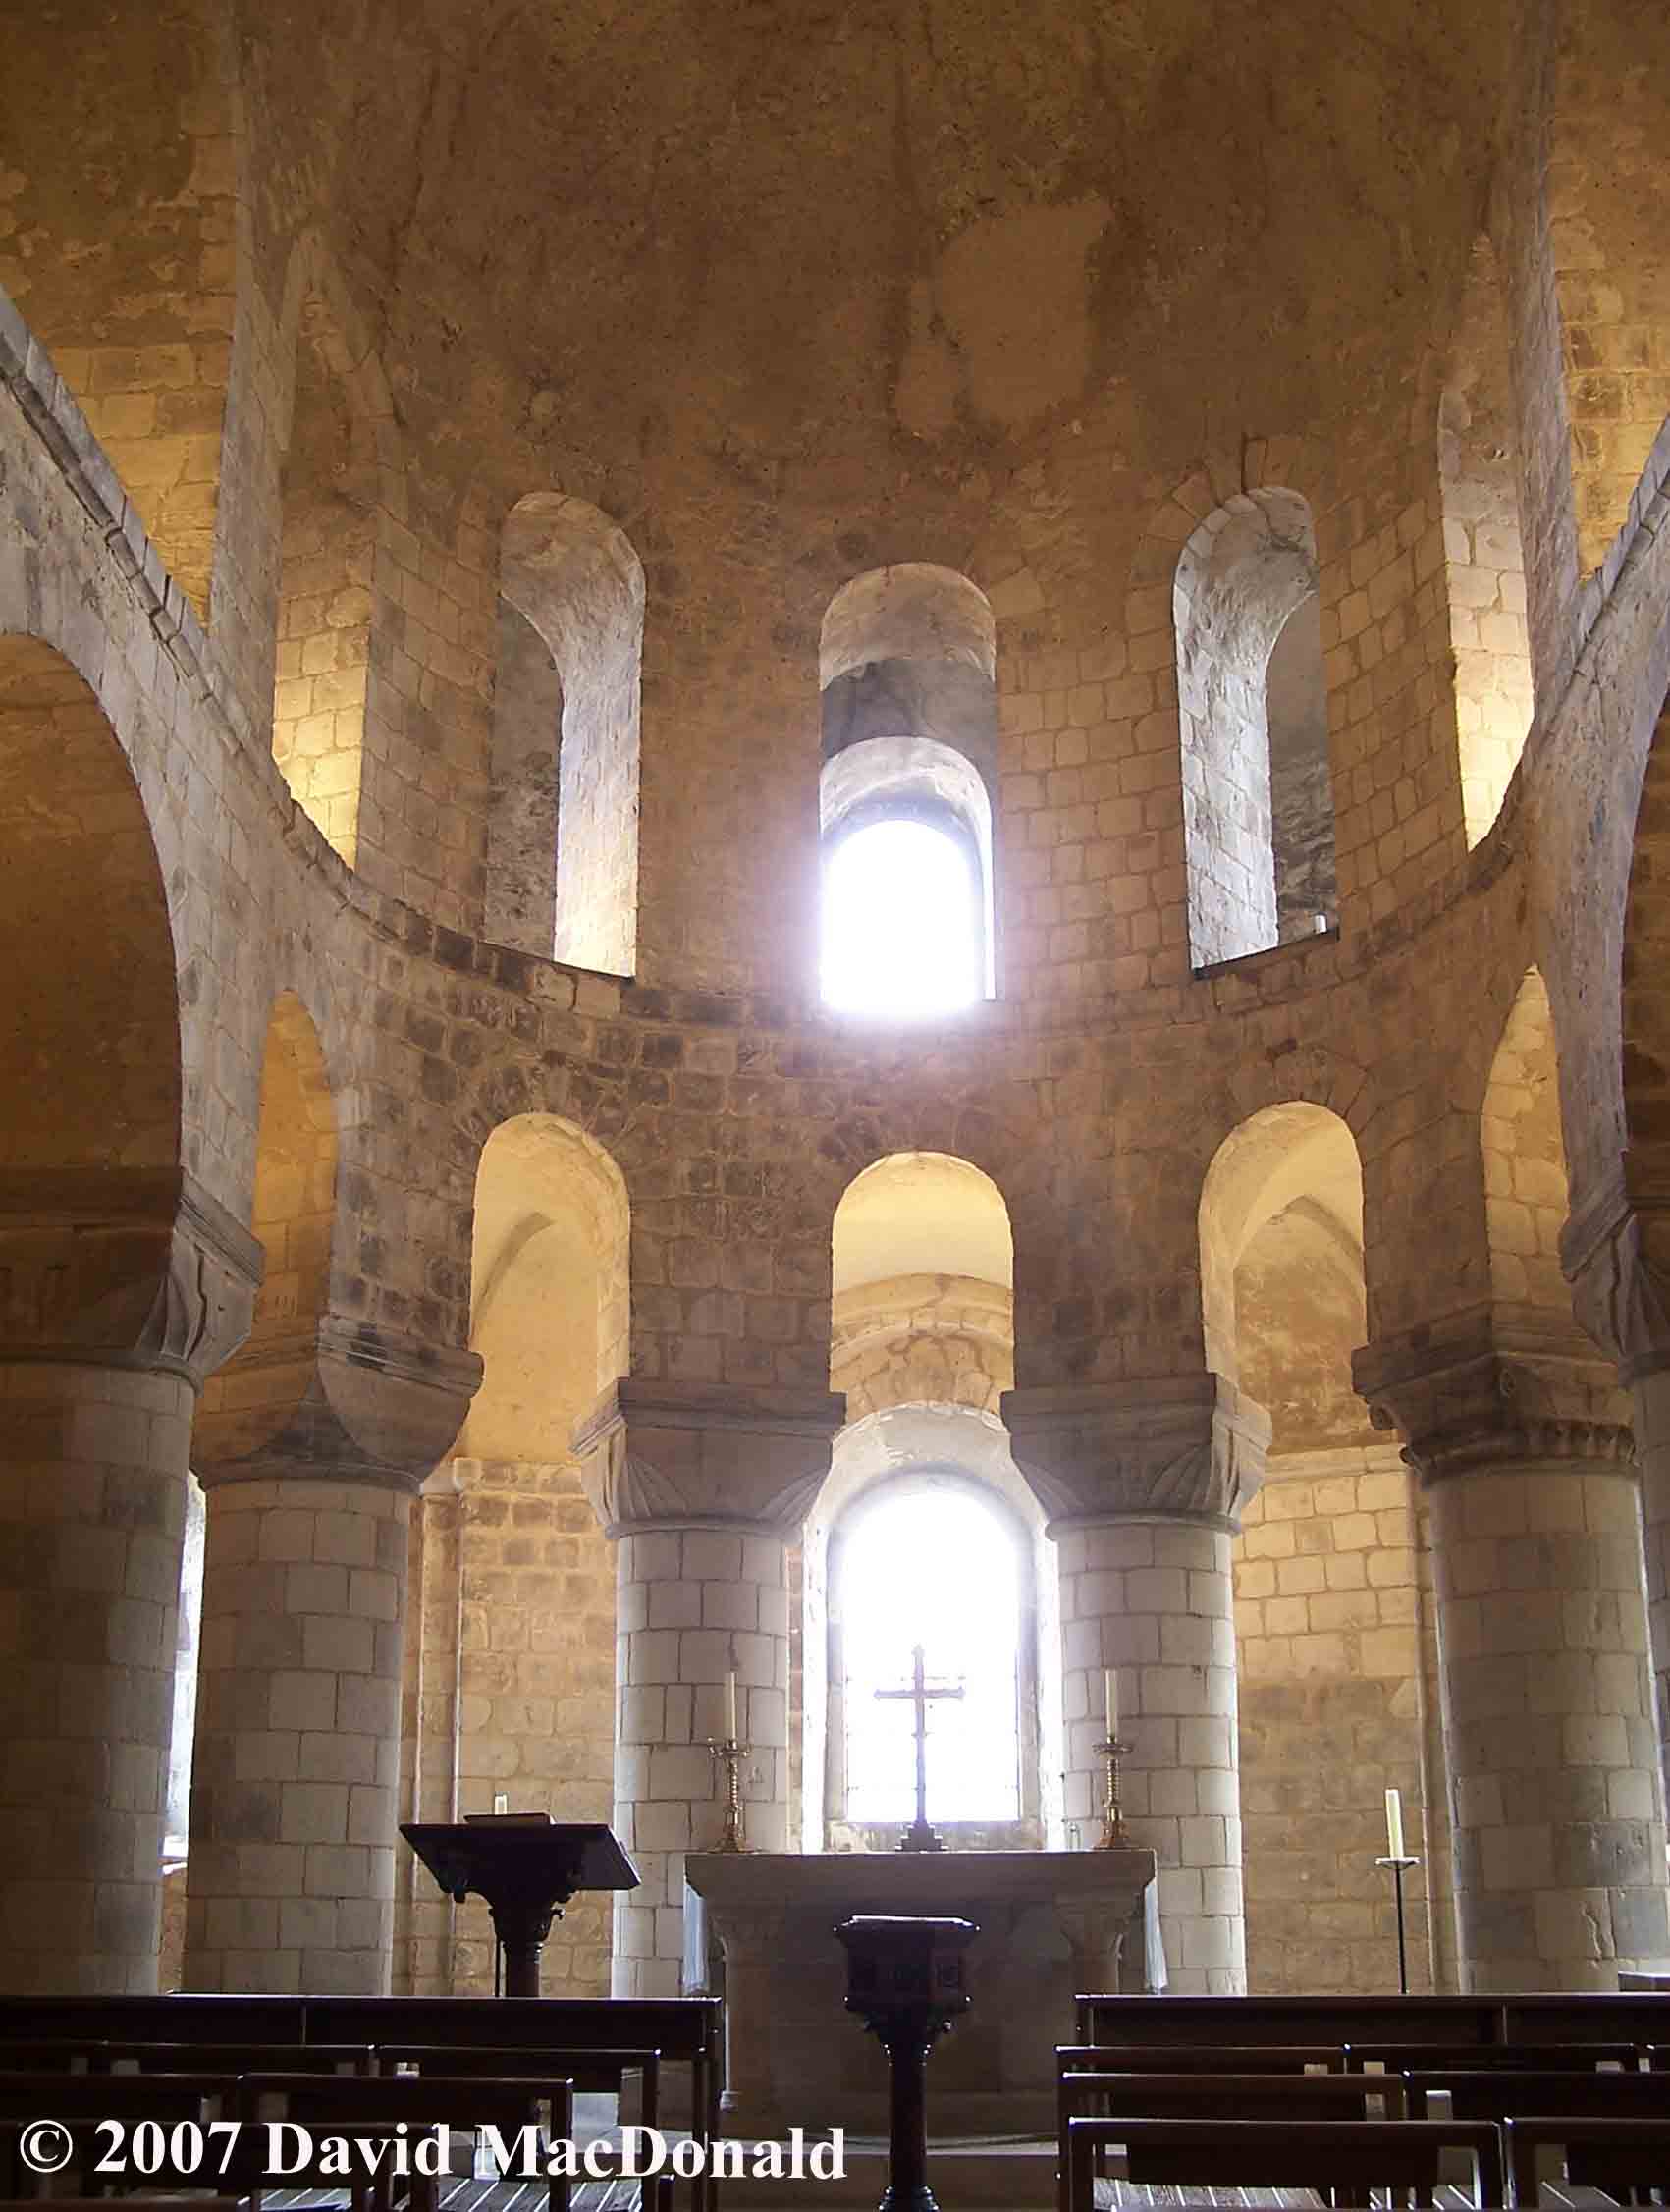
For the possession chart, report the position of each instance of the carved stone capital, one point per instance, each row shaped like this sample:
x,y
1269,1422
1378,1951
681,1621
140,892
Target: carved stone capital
x,y
1616,1255
1492,1387
346,1401
668,1455
118,1267
1169,1447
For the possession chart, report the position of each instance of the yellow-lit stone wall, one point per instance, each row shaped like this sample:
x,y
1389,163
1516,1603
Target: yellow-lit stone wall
x,y
1329,1620
512,1693
139,310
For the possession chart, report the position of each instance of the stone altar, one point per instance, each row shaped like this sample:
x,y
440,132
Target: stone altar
x,y
1051,1924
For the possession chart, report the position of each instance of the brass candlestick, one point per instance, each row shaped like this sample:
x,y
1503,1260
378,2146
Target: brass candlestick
x,y
1113,1836
731,1753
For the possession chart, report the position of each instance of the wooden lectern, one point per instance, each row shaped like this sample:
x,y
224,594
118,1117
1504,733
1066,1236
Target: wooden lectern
x,y
526,1868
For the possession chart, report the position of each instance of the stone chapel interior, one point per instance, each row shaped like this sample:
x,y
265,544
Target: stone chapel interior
x,y
826,826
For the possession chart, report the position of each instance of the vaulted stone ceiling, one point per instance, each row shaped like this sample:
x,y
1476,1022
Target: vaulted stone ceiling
x,y
815,255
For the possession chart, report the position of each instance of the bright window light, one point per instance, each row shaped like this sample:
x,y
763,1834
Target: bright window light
x,y
938,1569
901,926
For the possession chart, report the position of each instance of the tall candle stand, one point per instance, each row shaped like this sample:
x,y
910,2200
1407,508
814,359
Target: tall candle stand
x,y
1113,1836
1400,1868
731,1753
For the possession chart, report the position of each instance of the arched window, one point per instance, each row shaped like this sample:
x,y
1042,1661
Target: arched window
x,y
929,1560
909,758
563,822
1258,802
903,925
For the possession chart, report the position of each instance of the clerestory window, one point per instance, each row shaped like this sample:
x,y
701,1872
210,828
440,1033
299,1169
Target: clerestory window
x,y
901,924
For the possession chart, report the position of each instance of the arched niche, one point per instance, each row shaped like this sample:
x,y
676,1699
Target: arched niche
x,y
562,824
1478,475
1610,234
923,1277
92,1482
331,501
913,611
1328,1570
513,1675
1281,1271
548,1287
922,1213
922,1345
119,246
90,1013
1257,798
909,736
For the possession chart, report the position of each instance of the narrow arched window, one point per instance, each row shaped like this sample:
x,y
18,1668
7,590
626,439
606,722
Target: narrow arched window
x,y
563,798
931,1562
1258,797
902,925
909,764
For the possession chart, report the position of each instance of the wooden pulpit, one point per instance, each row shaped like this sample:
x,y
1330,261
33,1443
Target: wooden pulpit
x,y
527,1868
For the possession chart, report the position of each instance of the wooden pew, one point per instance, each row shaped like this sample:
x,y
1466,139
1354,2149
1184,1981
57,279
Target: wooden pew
x,y
1213,2095
600,2072
1460,2058
1343,2160
369,2108
1209,2058
1627,2158
1495,2092
687,2031
1298,2020
80,2055
1600,2015
237,2057
190,2019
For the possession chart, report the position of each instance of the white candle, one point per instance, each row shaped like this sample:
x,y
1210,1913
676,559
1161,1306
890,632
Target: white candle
x,y
1394,1825
1110,1693
730,1705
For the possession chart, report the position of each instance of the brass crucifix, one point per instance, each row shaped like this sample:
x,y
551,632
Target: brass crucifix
x,y
919,1836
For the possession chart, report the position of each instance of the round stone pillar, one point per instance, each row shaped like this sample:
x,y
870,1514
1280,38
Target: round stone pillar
x,y
109,1323
703,1488
1559,1846
1616,1251
1151,1600
290,1872
1650,1393
1521,1438
1144,1482
310,1450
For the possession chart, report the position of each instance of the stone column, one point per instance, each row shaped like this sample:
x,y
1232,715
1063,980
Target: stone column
x,y
703,1487
1616,1252
1521,1438
310,1451
1144,1483
113,1302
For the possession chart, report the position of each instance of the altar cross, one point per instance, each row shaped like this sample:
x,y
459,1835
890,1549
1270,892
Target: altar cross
x,y
919,1836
